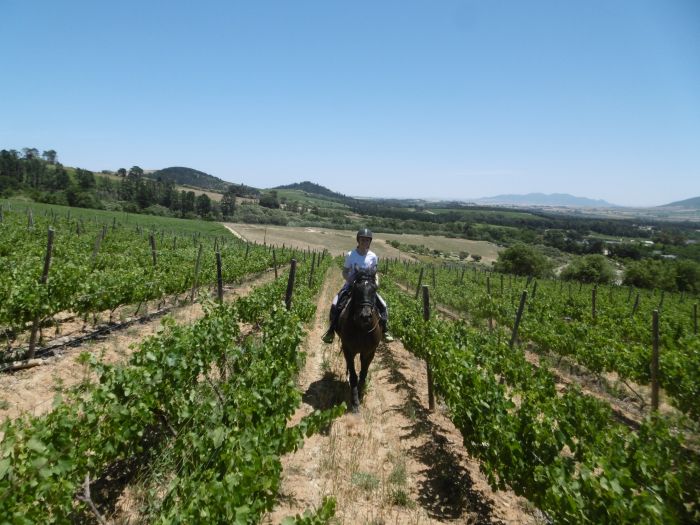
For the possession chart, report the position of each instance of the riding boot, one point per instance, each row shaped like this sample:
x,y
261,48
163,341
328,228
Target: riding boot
x,y
330,333
387,337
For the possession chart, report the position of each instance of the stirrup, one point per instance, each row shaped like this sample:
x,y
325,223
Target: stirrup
x,y
328,336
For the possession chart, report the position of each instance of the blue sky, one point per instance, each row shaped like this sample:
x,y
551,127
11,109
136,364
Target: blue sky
x,y
448,99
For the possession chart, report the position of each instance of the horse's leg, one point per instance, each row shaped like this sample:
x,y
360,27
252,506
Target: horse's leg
x,y
354,395
365,360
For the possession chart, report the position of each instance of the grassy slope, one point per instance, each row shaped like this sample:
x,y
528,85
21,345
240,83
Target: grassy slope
x,y
151,222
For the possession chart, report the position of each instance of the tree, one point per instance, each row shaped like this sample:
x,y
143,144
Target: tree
x,y
30,153
589,269
61,180
86,178
135,172
203,205
650,273
228,204
522,259
187,199
121,172
688,276
50,156
270,200
626,250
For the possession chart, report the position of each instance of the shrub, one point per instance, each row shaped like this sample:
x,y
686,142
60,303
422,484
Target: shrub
x,y
522,259
589,269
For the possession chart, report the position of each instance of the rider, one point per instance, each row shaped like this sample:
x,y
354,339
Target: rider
x,y
361,258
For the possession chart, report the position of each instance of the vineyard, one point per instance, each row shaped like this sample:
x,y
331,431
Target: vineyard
x,y
201,409
560,448
223,420
50,265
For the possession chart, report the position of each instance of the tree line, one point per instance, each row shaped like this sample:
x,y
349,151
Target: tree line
x,y
45,179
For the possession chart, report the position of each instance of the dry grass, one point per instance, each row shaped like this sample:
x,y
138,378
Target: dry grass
x,y
340,241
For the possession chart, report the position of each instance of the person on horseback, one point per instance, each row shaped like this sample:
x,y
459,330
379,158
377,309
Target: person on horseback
x,y
361,258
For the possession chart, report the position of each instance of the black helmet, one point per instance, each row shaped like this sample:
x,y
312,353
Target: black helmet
x,y
364,232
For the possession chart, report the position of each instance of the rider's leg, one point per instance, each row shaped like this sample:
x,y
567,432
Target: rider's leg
x,y
330,333
384,318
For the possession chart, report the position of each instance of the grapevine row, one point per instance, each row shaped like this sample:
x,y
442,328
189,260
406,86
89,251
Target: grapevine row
x,y
561,451
216,402
559,319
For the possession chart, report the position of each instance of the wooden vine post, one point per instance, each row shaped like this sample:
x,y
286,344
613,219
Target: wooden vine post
x,y
96,248
426,318
153,248
518,317
636,305
420,282
695,318
593,300
219,279
274,262
655,361
42,281
313,267
290,284
196,272
488,292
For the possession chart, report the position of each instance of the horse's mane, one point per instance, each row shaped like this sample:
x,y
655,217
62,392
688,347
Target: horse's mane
x,y
365,275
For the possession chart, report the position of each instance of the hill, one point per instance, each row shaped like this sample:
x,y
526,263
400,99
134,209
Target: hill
x,y
693,204
313,188
541,199
189,177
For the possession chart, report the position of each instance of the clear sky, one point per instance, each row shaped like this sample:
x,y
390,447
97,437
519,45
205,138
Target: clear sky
x,y
438,98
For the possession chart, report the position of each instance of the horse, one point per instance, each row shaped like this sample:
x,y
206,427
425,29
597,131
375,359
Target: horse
x,y
360,331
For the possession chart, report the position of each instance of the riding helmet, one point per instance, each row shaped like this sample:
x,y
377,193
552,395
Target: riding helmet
x,y
364,232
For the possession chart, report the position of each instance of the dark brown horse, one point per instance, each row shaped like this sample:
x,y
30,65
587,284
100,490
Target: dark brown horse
x,y
360,331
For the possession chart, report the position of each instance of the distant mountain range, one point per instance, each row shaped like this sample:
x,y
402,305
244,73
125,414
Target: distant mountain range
x,y
542,199
688,204
198,179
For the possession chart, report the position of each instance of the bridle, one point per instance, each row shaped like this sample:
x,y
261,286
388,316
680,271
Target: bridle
x,y
371,305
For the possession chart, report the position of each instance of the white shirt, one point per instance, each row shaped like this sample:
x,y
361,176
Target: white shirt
x,y
354,261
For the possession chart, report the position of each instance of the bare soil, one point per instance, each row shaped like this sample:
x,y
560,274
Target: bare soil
x,y
394,462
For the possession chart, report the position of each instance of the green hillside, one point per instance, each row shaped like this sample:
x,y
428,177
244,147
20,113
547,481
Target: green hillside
x,y
315,189
189,177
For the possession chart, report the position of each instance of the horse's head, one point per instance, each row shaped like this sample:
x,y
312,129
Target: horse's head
x,y
364,295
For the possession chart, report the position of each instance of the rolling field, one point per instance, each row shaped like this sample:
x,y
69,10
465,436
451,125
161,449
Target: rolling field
x,y
340,241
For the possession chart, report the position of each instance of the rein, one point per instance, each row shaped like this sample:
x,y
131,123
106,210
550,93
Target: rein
x,y
372,306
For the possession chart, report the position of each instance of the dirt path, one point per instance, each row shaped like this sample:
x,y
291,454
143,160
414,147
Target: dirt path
x,y
33,390
394,462
234,232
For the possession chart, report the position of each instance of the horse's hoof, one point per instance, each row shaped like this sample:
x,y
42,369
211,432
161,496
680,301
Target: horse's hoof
x,y
355,409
